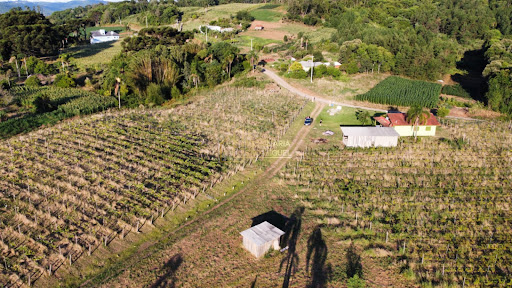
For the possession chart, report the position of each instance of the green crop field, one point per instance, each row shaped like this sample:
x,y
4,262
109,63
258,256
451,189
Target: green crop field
x,y
403,92
267,13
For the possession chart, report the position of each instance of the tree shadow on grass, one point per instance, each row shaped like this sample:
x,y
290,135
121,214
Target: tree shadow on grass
x,y
253,284
315,259
292,232
354,266
89,49
170,268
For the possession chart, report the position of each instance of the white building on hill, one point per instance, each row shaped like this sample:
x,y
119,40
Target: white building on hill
x,y
306,65
101,36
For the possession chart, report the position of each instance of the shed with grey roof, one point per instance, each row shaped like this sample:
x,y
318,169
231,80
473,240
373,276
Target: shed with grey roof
x,y
260,238
369,136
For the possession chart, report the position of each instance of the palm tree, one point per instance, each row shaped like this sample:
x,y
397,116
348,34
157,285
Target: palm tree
x,y
230,58
417,116
253,57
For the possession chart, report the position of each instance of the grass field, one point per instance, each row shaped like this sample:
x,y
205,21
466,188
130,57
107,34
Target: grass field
x,y
344,89
245,41
267,13
346,117
95,55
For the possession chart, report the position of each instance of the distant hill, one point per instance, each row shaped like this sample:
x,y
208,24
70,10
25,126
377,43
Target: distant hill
x,y
47,8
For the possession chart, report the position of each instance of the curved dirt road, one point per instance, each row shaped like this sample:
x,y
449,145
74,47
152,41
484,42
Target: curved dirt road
x,y
281,82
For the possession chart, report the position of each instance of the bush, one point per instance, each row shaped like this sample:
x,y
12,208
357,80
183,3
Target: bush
x,y
333,71
455,90
154,95
175,93
64,81
3,115
4,84
318,56
43,104
350,67
443,112
356,282
33,81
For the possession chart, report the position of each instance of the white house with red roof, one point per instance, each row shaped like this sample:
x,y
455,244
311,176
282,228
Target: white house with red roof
x,y
405,128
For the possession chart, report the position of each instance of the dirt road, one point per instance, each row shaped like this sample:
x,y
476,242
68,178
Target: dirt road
x,y
281,82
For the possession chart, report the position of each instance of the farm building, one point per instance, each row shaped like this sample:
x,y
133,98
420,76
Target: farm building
x,y
217,28
260,238
101,36
369,136
306,65
399,122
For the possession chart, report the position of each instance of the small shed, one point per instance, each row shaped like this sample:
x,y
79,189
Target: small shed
x,y
369,136
260,238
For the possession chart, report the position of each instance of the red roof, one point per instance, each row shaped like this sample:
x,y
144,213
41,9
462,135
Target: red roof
x,y
383,121
399,119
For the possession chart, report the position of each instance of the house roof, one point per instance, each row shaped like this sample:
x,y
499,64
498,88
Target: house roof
x,y
369,131
262,233
98,33
399,119
383,121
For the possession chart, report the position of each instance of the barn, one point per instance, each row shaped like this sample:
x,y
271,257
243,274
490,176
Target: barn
x,y
260,238
369,136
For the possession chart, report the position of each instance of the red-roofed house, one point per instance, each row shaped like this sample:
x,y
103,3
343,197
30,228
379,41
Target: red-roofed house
x,y
404,128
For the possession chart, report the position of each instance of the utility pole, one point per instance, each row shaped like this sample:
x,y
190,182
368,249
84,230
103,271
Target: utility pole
x,y
312,66
251,44
206,34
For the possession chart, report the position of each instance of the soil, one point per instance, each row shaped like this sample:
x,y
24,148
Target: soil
x,y
271,30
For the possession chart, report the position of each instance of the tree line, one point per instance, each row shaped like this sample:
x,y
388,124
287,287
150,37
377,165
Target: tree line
x,y
28,33
162,72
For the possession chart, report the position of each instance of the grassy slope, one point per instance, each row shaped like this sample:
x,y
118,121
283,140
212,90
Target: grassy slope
x,y
95,55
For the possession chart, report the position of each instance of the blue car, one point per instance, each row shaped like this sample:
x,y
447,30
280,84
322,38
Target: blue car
x,y
308,121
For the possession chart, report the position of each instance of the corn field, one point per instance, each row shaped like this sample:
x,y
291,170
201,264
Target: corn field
x,y
403,92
